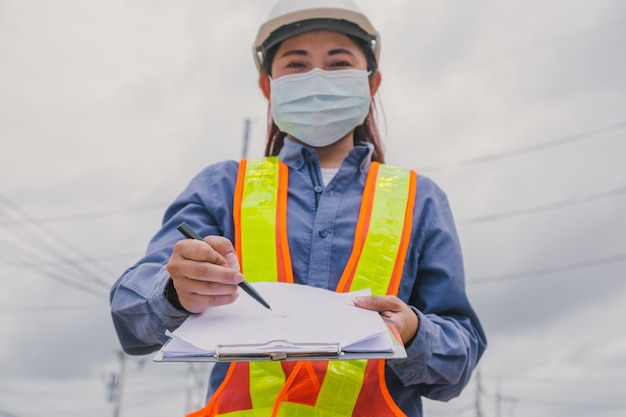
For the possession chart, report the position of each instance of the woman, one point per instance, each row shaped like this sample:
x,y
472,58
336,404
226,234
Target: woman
x,y
340,220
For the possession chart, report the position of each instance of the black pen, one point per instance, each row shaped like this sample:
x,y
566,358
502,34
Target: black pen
x,y
189,233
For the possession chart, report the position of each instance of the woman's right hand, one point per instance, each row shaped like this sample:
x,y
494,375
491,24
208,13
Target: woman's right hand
x,y
204,273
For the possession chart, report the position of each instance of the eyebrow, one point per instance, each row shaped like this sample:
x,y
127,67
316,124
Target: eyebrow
x,y
298,52
340,51
302,52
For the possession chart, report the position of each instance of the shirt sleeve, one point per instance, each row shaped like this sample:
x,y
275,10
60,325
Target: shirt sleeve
x,y
140,311
450,339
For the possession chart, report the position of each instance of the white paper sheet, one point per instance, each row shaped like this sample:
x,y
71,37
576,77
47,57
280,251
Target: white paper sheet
x,y
300,315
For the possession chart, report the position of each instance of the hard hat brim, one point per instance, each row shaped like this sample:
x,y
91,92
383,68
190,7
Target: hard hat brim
x,y
292,24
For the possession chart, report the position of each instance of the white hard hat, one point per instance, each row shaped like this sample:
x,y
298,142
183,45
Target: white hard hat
x,y
293,17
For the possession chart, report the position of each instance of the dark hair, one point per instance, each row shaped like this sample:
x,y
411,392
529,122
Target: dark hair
x,y
366,132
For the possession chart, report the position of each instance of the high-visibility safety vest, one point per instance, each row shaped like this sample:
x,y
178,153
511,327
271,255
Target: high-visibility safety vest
x,y
315,388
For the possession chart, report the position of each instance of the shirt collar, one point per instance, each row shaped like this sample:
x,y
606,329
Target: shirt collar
x,y
296,155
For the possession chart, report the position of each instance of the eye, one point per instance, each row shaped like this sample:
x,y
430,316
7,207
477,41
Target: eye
x,y
295,64
340,64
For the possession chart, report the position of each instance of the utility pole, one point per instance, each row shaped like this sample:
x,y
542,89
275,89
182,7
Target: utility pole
x,y
501,399
115,375
196,386
190,397
116,383
498,400
246,138
479,392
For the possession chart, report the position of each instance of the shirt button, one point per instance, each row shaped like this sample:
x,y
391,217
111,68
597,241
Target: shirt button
x,y
318,189
323,233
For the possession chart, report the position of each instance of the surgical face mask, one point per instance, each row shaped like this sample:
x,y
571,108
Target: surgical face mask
x,y
320,107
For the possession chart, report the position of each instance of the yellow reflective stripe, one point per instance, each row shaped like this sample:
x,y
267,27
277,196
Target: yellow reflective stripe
x,y
249,413
382,242
341,387
258,220
266,381
288,409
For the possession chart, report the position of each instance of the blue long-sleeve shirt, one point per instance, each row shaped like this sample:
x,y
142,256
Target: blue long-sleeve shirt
x,y
321,223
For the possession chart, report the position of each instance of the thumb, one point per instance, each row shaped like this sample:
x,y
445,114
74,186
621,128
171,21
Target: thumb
x,y
370,302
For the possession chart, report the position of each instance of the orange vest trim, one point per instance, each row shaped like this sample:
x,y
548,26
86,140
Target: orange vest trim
x,y
396,277
237,205
285,270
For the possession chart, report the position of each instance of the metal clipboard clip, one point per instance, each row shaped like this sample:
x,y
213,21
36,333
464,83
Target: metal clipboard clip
x,y
277,350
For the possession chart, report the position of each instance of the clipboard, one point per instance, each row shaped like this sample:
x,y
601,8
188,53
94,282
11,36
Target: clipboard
x,y
305,323
280,350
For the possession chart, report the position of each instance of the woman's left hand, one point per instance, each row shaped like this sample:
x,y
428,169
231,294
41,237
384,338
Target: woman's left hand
x,y
394,309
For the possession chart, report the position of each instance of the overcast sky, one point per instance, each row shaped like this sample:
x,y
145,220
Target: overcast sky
x,y
516,109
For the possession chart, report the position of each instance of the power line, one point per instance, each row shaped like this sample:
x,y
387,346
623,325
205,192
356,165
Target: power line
x,y
52,263
67,277
549,270
568,404
54,274
86,216
48,309
565,140
37,240
585,379
545,207
50,233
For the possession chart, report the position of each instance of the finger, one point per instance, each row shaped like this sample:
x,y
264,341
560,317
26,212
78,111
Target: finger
x,y
199,251
209,288
406,321
181,268
225,248
195,303
196,295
